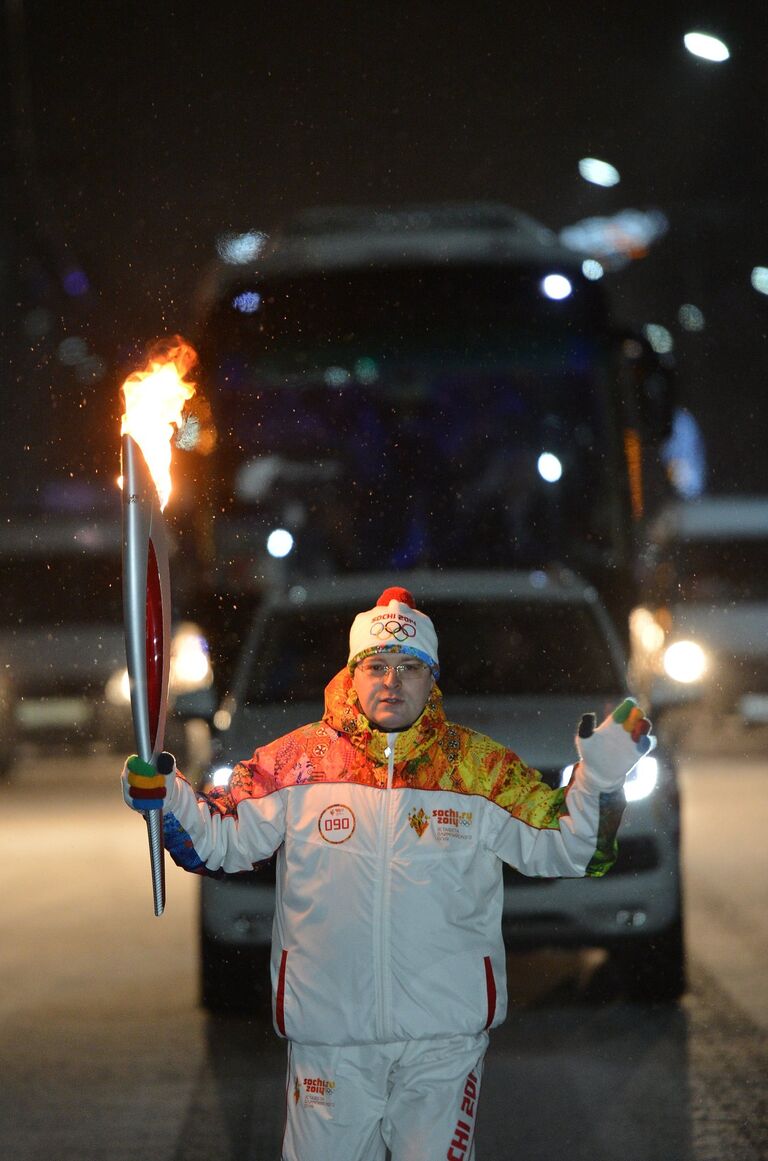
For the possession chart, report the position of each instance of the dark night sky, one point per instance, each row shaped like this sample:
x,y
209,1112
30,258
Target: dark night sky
x,y
153,128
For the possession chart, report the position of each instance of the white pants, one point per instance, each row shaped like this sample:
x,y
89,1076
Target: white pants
x,y
417,1098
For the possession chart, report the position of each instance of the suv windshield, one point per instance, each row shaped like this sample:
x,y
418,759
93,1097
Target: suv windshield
x,y
721,570
486,649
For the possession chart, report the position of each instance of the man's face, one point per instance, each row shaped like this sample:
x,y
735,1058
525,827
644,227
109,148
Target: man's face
x,y
392,699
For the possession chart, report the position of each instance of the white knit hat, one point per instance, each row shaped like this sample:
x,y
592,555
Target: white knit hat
x,y
396,626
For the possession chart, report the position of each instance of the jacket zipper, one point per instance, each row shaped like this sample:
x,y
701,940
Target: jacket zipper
x,y
382,899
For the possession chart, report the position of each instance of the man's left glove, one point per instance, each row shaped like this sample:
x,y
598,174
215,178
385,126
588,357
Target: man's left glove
x,y
145,787
617,745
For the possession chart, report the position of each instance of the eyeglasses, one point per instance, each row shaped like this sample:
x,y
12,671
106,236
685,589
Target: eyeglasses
x,y
405,671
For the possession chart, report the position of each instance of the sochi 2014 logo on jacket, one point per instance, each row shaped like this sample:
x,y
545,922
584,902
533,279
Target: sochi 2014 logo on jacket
x,y
452,824
337,823
446,824
418,820
313,1090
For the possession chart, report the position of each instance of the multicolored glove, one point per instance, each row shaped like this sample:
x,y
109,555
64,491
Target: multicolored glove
x,y
617,745
145,786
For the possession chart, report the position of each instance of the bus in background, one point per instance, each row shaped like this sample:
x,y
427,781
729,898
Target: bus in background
x,y
436,386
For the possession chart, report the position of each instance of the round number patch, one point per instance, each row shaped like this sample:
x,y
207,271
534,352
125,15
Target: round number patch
x,y
337,823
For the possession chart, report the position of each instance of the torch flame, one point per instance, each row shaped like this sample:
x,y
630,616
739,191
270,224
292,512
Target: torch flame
x,y
154,402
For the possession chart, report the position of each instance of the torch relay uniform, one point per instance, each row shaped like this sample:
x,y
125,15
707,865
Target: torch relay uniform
x,y
388,965
389,892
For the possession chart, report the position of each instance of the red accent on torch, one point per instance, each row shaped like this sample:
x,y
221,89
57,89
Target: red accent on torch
x,y
154,642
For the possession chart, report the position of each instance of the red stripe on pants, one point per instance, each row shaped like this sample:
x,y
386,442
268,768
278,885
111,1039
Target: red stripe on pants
x,y
490,987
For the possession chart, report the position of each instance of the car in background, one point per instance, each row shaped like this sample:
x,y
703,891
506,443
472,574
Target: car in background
x,y
523,656
703,625
61,635
9,730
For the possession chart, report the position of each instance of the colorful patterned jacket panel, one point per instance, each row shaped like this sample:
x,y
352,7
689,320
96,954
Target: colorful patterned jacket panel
x,y
433,754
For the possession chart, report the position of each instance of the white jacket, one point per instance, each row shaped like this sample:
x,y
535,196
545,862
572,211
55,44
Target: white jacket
x,y
389,871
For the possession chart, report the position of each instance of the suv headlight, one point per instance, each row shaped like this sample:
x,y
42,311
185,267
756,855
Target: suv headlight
x,y
685,661
190,663
190,667
220,776
640,782
118,688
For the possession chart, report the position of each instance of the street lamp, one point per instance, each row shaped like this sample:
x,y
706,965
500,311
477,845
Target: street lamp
x,y
707,47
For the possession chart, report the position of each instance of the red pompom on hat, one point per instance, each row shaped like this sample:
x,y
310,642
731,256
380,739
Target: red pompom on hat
x,y
397,594
394,625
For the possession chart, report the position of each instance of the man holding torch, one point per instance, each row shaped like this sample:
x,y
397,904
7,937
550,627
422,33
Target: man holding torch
x,y
391,826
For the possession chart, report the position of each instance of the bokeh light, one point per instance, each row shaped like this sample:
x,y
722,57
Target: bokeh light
x,y
248,302
759,279
660,338
691,318
556,286
238,249
705,46
598,172
550,468
76,283
592,269
279,542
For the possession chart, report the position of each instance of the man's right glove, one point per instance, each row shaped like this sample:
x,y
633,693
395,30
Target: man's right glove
x,y
617,745
145,786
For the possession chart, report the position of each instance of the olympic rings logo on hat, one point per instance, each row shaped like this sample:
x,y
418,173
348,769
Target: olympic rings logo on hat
x,y
395,629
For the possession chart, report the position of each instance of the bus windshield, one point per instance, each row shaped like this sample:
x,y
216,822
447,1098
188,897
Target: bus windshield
x,y
298,324
434,415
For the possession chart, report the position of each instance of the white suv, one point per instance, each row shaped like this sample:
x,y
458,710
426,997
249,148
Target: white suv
x,y
523,655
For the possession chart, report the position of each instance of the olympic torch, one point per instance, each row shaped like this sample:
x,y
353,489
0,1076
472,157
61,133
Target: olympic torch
x,y
154,401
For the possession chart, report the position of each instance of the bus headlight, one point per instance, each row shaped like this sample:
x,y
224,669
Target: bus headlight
x,y
685,661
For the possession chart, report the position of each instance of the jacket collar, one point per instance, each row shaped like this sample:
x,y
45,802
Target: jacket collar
x,y
344,713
